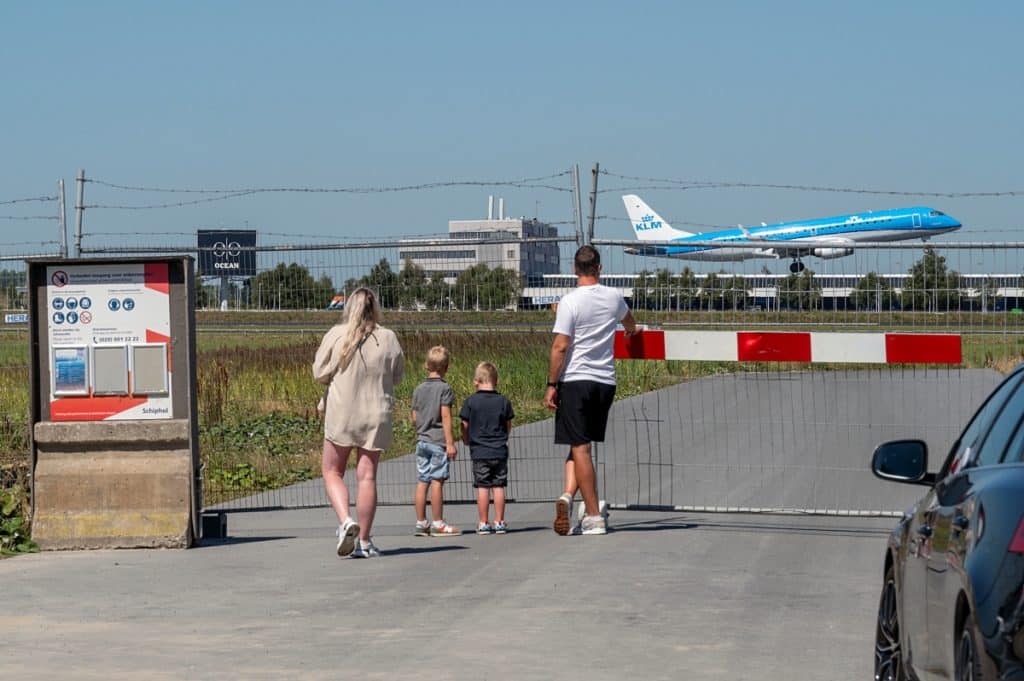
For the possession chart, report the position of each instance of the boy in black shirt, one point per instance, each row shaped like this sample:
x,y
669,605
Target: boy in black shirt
x,y
486,421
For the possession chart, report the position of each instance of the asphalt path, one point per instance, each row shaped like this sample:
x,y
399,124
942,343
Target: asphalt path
x,y
662,596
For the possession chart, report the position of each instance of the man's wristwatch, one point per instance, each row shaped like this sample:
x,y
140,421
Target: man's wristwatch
x,y
553,385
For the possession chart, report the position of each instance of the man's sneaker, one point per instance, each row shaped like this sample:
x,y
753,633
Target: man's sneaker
x,y
347,533
500,528
367,550
444,530
582,511
483,528
422,530
563,508
593,524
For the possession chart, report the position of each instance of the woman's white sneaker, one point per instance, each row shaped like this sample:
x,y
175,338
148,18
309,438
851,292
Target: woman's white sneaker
x,y
347,533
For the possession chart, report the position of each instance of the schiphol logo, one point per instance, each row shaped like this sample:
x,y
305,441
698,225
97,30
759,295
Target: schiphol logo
x,y
231,249
648,222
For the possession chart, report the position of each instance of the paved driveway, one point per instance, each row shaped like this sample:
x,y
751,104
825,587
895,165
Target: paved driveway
x,y
664,596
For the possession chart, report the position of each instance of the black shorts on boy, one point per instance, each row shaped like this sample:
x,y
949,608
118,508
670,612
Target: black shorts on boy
x,y
489,473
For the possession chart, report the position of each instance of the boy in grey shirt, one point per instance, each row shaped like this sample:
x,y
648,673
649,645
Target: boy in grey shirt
x,y
435,447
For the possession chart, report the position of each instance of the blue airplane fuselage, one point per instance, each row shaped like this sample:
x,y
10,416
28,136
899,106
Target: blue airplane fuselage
x,y
829,235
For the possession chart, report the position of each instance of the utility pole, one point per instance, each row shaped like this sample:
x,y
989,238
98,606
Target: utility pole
x,y
577,204
79,210
593,203
62,219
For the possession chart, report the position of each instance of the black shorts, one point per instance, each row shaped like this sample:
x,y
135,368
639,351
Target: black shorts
x,y
490,472
582,413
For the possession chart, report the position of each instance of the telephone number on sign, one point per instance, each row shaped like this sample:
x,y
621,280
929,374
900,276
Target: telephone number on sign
x,y
116,339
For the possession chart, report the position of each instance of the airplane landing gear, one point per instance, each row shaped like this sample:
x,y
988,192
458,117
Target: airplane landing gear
x,y
796,266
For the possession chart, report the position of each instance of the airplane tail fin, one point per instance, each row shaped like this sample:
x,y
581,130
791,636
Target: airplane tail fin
x,y
648,225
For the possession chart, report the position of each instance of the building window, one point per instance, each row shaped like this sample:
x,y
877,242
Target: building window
x,y
435,255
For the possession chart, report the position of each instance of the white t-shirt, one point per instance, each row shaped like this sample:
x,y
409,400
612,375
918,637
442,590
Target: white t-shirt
x,y
589,315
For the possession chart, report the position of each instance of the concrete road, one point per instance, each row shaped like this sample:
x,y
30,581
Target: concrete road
x,y
663,596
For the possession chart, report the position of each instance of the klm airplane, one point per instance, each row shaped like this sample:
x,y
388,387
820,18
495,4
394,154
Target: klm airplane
x,y
824,238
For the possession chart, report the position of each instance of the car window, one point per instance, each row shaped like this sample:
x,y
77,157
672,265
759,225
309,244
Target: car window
x,y
1003,427
967,445
1015,451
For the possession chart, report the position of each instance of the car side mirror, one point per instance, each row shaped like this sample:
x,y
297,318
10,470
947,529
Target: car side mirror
x,y
902,461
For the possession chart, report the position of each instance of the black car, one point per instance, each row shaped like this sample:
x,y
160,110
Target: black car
x,y
952,605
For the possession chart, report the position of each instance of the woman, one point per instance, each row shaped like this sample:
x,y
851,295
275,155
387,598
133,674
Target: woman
x,y
360,362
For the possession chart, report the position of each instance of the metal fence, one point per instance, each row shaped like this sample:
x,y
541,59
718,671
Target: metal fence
x,y
708,435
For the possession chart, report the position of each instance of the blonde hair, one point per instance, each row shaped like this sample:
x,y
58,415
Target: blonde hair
x,y
360,318
437,359
486,373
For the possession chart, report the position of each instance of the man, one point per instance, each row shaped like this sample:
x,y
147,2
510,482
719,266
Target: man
x,y
581,383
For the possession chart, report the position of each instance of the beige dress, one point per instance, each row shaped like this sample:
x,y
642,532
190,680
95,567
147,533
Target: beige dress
x,y
359,398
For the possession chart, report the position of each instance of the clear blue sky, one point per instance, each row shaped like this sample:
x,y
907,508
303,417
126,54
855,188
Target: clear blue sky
x,y
916,96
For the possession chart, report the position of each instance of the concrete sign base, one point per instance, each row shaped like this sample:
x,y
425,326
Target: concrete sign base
x,y
113,484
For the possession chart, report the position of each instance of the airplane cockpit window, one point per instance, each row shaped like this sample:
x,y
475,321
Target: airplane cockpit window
x,y
935,213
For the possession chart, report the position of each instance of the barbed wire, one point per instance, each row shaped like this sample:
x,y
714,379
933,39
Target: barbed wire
x,y
667,183
9,202
224,194
29,217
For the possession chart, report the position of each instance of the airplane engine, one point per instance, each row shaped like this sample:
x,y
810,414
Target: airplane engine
x,y
830,253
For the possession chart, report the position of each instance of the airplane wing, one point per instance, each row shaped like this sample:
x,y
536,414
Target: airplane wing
x,y
830,247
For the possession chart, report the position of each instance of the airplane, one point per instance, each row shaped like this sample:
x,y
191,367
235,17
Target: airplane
x,y
835,235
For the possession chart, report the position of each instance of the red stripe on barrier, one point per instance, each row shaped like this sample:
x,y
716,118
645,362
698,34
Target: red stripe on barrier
x,y
641,345
773,347
922,348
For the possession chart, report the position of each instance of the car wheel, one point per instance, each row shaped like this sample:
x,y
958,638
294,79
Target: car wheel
x,y
888,652
968,661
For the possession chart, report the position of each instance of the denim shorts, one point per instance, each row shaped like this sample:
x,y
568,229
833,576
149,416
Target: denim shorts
x,y
431,462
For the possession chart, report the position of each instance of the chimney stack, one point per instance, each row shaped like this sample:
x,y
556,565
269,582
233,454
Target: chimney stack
x,y
490,207
501,209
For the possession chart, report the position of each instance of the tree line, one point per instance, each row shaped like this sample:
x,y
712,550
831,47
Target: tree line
x,y
931,287
292,287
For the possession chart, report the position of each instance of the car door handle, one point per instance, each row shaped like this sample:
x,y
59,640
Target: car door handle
x,y
961,522
925,530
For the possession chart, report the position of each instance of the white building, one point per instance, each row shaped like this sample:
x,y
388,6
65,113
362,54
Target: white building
x,y
531,260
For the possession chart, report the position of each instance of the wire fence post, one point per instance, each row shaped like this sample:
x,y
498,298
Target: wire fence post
x,y
79,210
593,203
62,217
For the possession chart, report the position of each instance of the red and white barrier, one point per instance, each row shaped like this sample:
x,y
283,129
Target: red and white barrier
x,y
806,346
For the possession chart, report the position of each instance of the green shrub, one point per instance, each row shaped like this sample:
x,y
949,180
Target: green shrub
x,y
14,531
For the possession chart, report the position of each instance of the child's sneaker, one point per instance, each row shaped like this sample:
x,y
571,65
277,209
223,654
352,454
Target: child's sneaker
x,y
367,550
347,533
444,530
563,507
483,528
500,528
422,530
